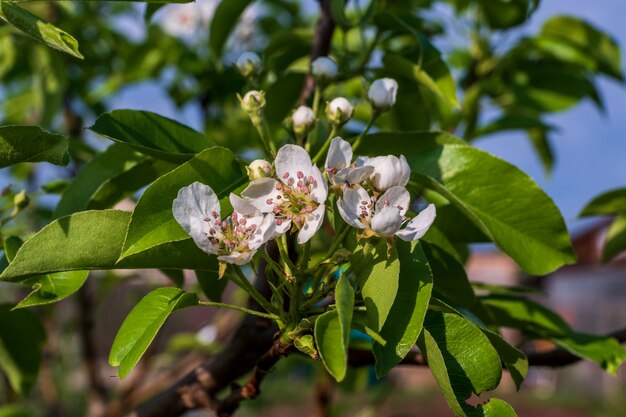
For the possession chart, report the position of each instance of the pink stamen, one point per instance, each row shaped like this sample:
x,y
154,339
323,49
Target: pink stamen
x,y
286,175
300,174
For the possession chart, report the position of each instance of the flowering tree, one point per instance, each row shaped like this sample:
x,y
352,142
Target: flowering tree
x,y
329,186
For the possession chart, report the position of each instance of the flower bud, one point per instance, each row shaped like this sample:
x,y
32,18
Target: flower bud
x,y
259,168
382,94
253,102
249,64
20,202
324,69
303,120
339,111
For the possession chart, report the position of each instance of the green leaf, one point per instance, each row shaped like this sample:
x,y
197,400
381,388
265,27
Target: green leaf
x,y
449,276
541,143
330,344
378,275
210,283
332,331
512,122
615,242
143,323
21,339
38,29
152,134
434,75
549,87
11,245
573,40
503,14
344,301
540,322
153,223
31,144
462,360
93,240
506,204
515,361
224,20
50,288
104,166
127,183
609,203
282,96
406,317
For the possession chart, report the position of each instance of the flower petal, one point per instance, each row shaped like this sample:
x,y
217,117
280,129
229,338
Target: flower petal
x,y
282,228
389,171
289,160
243,206
351,176
319,192
191,207
418,227
339,154
237,258
264,232
386,222
397,197
312,224
349,206
262,194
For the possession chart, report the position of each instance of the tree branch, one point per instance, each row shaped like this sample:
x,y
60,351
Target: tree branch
x,y
252,339
252,389
321,44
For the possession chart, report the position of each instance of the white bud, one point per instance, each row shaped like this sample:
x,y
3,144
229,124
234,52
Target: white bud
x,y
253,102
339,111
259,168
249,64
324,69
382,94
303,120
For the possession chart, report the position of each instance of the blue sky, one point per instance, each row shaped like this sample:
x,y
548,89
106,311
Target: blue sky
x,y
590,147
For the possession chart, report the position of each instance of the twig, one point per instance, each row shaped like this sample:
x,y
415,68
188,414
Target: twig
x,y
321,44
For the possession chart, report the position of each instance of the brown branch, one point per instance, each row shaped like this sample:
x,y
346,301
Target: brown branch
x,y
251,389
320,45
252,339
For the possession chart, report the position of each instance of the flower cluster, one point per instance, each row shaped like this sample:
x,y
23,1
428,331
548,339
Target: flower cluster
x,y
290,194
373,194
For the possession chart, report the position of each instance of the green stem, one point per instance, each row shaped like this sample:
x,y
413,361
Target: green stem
x,y
262,127
326,145
238,308
304,256
333,247
284,254
359,139
317,98
242,281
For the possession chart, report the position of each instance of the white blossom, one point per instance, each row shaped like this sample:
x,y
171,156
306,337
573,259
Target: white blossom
x,y
384,216
324,68
389,171
382,94
181,20
249,64
303,120
339,111
339,167
234,239
296,198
